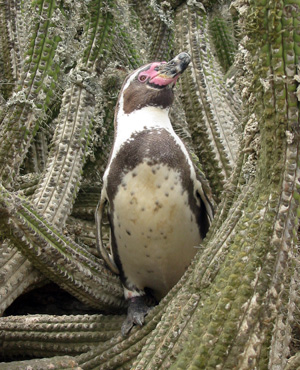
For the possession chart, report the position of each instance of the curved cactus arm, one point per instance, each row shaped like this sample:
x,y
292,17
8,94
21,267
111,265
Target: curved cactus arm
x,y
17,275
54,363
210,109
58,257
48,335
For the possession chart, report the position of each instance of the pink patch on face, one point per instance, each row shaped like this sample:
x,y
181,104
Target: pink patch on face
x,y
163,81
155,76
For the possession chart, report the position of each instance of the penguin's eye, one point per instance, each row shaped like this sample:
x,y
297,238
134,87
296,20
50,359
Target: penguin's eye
x,y
142,78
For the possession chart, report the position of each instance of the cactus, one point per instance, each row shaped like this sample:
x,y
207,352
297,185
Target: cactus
x,y
61,258
236,107
210,109
86,331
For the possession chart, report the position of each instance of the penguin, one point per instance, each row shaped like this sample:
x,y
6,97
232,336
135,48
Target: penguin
x,y
157,210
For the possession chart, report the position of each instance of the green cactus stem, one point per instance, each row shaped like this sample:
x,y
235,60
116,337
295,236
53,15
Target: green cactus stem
x,y
17,275
210,110
34,92
55,363
51,333
221,27
156,20
79,272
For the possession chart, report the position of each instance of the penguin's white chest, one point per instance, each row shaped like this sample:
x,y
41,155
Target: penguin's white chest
x,y
155,229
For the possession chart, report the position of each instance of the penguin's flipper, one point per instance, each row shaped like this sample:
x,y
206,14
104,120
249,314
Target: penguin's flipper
x,y
207,203
206,208
137,310
108,258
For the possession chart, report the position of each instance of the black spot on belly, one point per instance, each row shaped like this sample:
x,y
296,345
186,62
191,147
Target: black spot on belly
x,y
150,271
148,255
145,246
166,194
157,206
153,171
128,232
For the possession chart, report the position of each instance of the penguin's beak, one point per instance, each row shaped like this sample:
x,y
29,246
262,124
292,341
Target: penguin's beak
x,y
175,66
168,73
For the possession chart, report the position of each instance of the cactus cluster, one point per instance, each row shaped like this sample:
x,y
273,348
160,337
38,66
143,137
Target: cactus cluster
x,y
62,64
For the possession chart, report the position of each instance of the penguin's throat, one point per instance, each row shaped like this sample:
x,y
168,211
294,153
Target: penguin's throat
x,y
139,120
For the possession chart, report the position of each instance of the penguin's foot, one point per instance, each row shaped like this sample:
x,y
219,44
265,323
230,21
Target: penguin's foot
x,y
137,310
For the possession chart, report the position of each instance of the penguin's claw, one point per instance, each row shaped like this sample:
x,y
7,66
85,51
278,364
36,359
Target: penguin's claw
x,y
137,310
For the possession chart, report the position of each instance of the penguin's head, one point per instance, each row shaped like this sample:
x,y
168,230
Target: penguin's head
x,y
152,84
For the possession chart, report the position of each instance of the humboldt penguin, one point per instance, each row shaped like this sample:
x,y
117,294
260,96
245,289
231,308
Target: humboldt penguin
x,y
157,209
